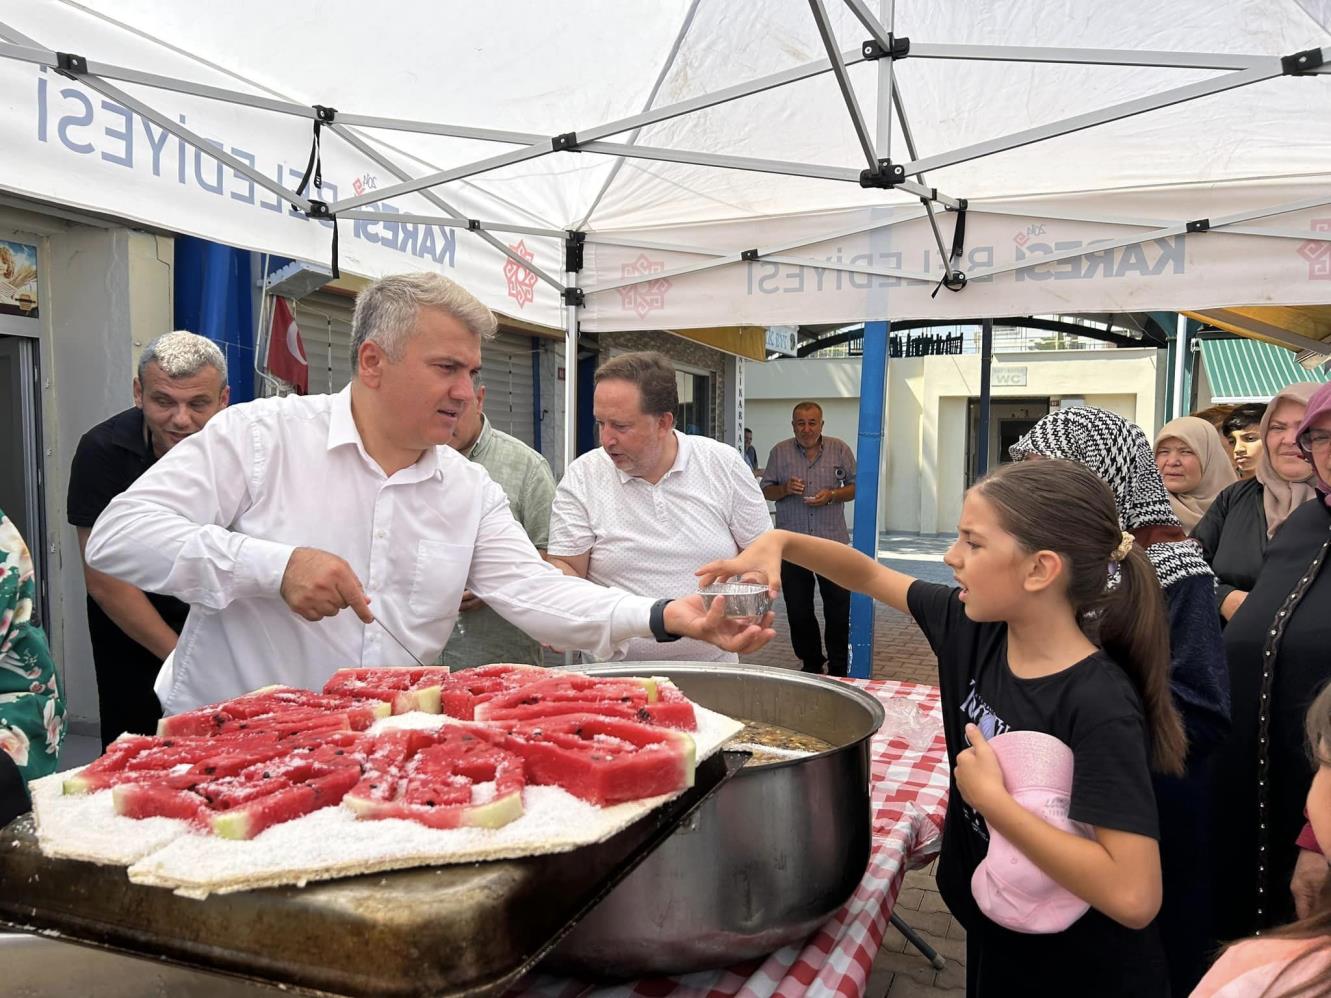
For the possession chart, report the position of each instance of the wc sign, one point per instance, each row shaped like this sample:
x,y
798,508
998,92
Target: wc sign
x,y
1008,377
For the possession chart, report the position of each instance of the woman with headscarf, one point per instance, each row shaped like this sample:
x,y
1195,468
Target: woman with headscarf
x,y
1279,650
1121,455
1194,465
32,706
1236,530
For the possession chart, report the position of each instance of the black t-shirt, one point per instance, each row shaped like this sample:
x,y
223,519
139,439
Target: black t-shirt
x,y
1093,708
110,458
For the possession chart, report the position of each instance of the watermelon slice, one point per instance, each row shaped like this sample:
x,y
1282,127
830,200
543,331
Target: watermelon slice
x,y
452,778
649,701
404,689
248,819
275,707
154,800
605,760
462,691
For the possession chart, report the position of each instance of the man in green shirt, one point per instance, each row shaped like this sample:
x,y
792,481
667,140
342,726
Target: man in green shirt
x,y
480,635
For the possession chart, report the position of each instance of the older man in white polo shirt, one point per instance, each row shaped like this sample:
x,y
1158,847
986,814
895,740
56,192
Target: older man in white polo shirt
x,y
643,511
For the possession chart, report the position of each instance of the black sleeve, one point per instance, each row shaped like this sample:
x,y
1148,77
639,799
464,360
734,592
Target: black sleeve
x,y
1111,777
92,480
935,608
13,791
1212,524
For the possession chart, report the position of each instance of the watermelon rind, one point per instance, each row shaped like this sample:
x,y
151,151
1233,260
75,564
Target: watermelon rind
x,y
232,825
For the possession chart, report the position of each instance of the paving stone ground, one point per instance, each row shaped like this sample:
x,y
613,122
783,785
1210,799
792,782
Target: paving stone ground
x,y
900,652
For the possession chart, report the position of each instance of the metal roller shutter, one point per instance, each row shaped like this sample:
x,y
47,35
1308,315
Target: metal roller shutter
x,y
510,403
325,329
506,362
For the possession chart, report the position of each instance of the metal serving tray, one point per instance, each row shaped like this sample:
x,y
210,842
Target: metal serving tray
x,y
471,929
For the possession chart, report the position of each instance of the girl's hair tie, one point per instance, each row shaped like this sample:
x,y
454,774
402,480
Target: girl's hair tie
x,y
1124,547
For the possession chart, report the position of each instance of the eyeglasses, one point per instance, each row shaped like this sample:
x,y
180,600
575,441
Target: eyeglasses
x,y
1312,440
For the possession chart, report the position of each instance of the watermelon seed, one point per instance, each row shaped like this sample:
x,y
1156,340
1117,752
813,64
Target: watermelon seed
x,y
209,770
267,776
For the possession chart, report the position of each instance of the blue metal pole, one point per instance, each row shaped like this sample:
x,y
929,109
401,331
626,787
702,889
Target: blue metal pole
x,y
986,369
868,460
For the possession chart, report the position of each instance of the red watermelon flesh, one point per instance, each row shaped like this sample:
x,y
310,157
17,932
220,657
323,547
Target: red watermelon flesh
x,y
436,779
462,691
605,760
277,707
153,800
246,820
405,689
645,700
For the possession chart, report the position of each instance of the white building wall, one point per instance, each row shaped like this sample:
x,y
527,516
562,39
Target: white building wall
x,y
924,463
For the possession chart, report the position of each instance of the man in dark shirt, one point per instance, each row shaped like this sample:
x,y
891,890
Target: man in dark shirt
x,y
811,477
181,384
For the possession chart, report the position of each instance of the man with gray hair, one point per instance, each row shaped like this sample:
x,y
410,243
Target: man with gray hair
x,y
305,506
181,384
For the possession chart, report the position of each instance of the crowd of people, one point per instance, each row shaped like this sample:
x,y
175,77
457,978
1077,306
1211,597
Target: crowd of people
x,y
1161,610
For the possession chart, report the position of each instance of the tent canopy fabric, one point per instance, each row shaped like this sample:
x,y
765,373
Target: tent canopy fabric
x,y
1244,370
730,212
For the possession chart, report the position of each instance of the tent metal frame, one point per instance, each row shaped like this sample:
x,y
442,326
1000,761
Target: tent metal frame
x,y
1235,70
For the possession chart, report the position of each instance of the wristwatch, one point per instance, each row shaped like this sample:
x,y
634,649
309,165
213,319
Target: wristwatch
x,y
657,622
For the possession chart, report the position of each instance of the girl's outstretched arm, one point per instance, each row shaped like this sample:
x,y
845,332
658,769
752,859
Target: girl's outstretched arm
x,y
1116,873
841,563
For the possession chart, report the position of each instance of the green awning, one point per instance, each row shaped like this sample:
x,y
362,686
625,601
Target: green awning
x,y
1243,370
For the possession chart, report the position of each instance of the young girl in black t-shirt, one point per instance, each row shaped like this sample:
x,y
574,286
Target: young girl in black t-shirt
x,y
1058,626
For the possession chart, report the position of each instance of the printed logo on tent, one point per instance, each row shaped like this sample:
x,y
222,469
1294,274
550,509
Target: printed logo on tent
x,y
365,182
648,295
521,281
1318,253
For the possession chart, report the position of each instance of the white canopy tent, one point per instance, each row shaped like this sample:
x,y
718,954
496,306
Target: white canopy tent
x,y
720,162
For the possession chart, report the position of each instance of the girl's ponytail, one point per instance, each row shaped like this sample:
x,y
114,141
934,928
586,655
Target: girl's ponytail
x,y
1134,630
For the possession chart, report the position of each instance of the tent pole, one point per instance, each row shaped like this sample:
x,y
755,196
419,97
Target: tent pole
x,y
1180,357
868,463
873,394
570,375
986,369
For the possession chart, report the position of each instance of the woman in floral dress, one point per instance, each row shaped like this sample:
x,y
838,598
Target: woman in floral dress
x,y
32,705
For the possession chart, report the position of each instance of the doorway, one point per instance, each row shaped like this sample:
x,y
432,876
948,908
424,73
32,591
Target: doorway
x,y
1009,420
21,484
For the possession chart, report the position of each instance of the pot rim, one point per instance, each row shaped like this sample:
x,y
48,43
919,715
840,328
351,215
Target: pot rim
x,y
871,704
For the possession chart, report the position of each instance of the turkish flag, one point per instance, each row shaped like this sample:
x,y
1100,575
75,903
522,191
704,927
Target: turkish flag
x,y
286,352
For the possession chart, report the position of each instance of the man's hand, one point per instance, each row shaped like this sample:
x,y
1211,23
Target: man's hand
x,y
795,486
978,774
1230,606
317,584
470,601
821,498
1310,871
686,618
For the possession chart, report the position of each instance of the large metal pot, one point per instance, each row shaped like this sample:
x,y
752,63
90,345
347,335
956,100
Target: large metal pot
x,y
763,862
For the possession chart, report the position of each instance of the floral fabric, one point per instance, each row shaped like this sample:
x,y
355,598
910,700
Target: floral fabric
x,y
32,705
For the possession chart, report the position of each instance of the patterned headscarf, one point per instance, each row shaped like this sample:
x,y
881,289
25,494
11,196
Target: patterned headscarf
x,y
1120,454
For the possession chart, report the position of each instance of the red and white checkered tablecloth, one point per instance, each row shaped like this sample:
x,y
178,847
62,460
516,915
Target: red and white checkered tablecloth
x,y
908,785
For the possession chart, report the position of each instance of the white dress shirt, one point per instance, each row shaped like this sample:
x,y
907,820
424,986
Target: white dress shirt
x,y
216,519
649,538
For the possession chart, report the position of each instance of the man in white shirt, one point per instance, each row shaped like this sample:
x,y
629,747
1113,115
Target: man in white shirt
x,y
283,509
649,506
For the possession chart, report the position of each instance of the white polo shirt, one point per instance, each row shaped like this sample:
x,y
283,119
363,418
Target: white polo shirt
x,y
650,539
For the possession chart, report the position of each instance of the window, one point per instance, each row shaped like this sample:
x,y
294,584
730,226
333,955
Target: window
x,y
694,414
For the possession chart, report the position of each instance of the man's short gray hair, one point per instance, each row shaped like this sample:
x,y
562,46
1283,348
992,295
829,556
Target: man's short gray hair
x,y
386,311
182,354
